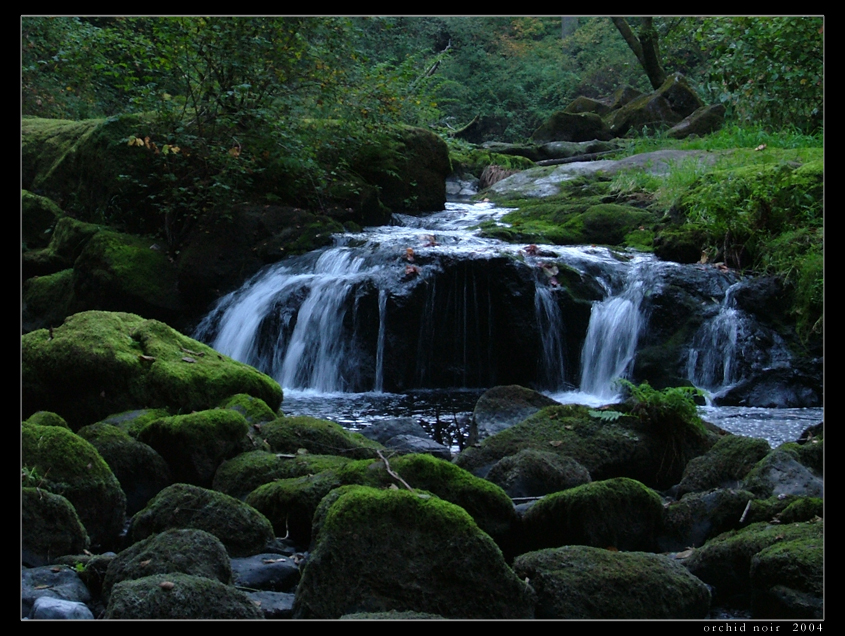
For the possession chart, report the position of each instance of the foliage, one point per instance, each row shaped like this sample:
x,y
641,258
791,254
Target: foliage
x,y
232,106
668,409
767,70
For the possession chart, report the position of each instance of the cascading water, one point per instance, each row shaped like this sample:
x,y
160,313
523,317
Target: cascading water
x,y
551,328
728,344
615,327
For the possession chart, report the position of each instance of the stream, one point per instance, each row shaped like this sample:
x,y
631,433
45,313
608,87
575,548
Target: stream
x,y
418,318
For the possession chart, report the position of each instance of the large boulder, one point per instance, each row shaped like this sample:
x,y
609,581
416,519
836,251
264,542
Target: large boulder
x,y
189,551
724,465
587,583
615,446
725,563
141,471
98,363
59,461
569,126
503,406
409,166
50,527
617,513
705,120
242,529
194,445
179,596
382,550
38,217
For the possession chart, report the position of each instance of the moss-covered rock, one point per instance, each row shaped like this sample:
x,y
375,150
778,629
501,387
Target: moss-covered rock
x,y
242,529
586,583
195,445
382,550
141,471
618,513
47,418
320,437
47,300
290,503
188,550
120,361
724,465
624,447
487,503
781,473
244,473
121,272
179,596
533,473
724,562
698,516
787,580
409,166
254,409
50,527
68,465
38,217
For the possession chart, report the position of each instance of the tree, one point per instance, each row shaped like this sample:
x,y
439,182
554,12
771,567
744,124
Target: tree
x,y
645,47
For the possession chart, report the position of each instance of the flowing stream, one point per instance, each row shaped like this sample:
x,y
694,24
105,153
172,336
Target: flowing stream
x,y
419,317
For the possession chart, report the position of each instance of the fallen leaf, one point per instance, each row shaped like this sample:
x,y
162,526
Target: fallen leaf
x,y
188,359
167,585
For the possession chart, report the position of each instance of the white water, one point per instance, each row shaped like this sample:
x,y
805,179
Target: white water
x,y
288,321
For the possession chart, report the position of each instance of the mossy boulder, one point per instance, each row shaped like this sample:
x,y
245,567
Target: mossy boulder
x,y
409,166
382,550
62,462
179,596
488,505
195,445
503,406
122,272
724,465
185,550
242,529
99,363
533,473
289,434
47,418
587,583
699,516
141,471
50,527
38,217
781,473
47,300
624,447
290,503
617,513
244,473
724,562
787,580
566,125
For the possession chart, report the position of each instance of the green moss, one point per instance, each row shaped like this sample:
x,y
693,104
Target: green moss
x,y
242,529
321,437
195,445
46,418
252,408
620,513
70,466
486,502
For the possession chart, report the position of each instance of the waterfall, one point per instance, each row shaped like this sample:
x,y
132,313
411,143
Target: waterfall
x,y
727,345
551,330
382,315
611,342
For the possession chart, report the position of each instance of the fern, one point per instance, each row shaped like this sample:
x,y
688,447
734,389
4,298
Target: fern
x,y
607,416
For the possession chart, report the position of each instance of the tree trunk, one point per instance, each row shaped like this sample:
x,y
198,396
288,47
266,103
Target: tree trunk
x,y
645,47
